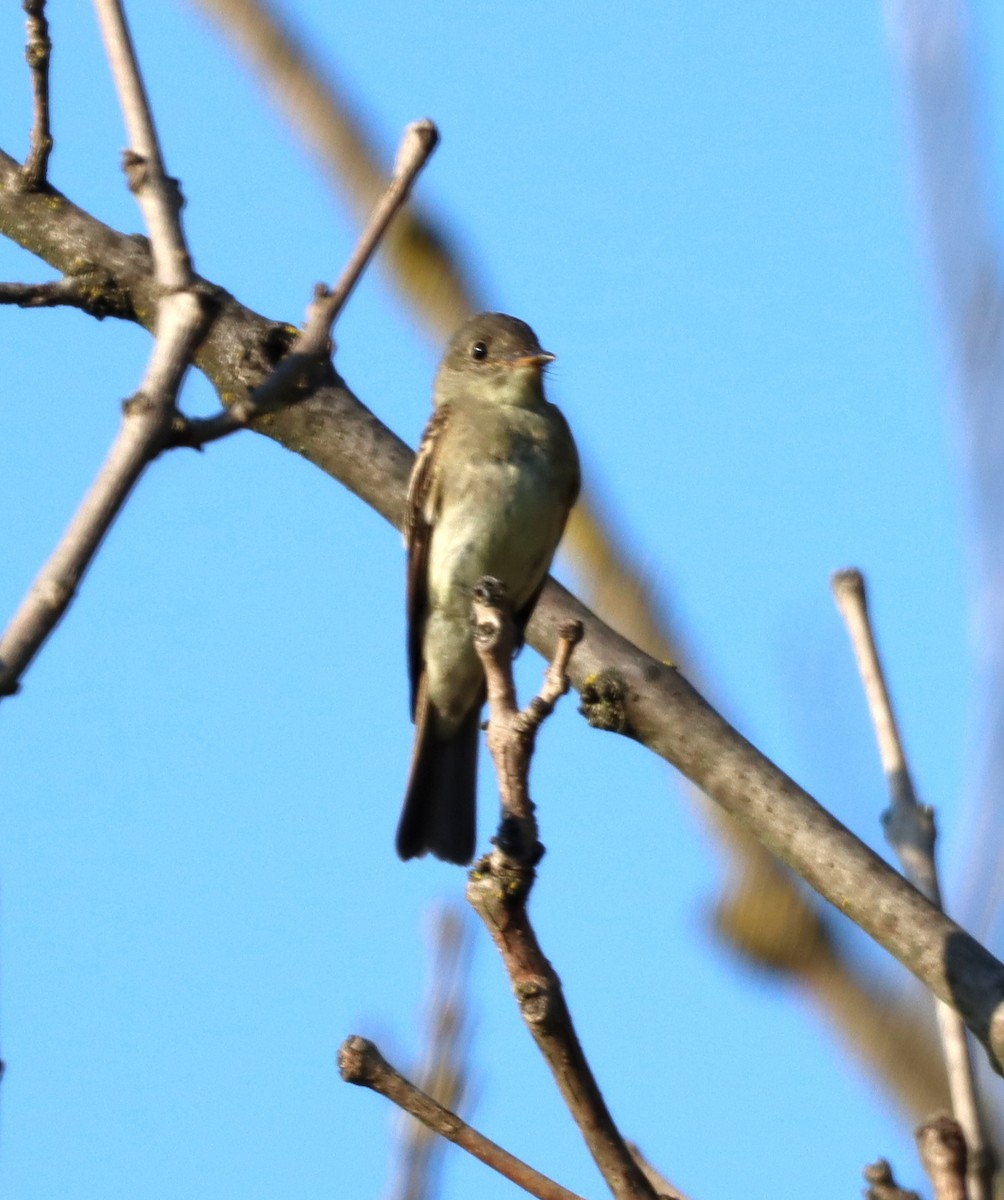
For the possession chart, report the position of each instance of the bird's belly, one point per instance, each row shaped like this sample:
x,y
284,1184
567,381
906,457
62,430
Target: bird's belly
x,y
507,525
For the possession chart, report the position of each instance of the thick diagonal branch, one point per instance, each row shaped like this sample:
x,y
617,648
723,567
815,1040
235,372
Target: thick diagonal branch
x,y
641,696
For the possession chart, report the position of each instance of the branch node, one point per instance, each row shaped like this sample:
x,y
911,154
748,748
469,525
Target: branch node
x,y
517,840
136,170
420,138
137,404
602,702
943,1152
571,631
182,434
848,584
357,1059
537,1000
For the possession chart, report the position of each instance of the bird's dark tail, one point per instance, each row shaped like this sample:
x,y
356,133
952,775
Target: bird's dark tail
x,y
440,807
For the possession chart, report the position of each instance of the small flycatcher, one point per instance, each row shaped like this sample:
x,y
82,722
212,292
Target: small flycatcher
x,y
495,477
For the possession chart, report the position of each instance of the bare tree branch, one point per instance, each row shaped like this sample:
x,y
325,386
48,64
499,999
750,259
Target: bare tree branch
x,y
498,890
152,421
158,196
512,734
38,51
910,830
440,290
499,885
652,703
148,417
645,699
426,269
307,363
55,586
361,1063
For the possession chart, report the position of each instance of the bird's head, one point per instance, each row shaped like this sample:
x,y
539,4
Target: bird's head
x,y
494,358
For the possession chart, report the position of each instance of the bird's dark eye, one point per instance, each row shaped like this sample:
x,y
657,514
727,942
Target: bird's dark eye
x,y
479,351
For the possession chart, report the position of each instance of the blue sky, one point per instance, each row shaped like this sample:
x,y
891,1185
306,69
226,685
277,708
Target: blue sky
x,y
706,212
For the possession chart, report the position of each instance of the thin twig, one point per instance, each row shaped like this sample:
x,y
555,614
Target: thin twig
x,y
943,1152
158,196
361,1063
148,417
442,1073
72,291
910,829
499,886
420,139
436,287
55,586
38,52
498,894
512,733
306,365
882,1183
908,825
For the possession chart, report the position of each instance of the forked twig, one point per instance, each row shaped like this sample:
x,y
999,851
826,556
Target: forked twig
x,y
307,363
151,420
512,733
148,415
499,886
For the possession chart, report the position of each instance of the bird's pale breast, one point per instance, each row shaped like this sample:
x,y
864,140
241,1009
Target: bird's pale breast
x,y
500,514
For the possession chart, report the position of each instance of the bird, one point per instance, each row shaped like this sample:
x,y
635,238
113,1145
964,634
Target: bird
x,y
495,477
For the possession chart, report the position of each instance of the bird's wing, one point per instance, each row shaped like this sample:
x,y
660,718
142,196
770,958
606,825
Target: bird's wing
x,y
522,617
419,518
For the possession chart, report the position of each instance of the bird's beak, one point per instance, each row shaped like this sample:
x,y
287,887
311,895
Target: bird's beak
x,y
533,360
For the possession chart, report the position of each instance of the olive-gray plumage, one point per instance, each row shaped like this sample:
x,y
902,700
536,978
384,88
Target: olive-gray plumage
x,y
494,479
